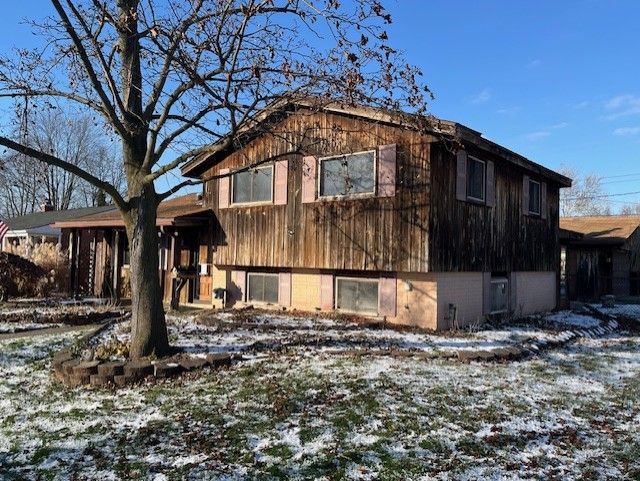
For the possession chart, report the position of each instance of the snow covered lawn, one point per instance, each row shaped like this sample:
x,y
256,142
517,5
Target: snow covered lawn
x,y
309,413
257,332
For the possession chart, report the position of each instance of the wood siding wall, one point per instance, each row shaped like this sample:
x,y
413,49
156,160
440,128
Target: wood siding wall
x,y
467,236
422,228
375,234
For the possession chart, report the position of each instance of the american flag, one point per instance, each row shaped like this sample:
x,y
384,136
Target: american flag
x,y
3,229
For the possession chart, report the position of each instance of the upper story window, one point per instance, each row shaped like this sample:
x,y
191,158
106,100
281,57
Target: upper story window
x,y
476,179
252,186
534,197
346,175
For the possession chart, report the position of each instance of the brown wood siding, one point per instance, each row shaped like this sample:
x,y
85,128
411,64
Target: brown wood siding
x,y
376,234
467,236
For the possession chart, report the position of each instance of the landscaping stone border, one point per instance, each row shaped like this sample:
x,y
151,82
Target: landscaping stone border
x,y
71,369
501,354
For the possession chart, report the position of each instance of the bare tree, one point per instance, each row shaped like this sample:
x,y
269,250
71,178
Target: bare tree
x,y
585,196
174,79
27,182
630,209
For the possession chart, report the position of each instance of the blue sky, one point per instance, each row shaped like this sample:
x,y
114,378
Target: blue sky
x,y
557,81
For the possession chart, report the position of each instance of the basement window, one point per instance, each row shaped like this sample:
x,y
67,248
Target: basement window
x,y
499,295
534,197
253,185
476,179
357,295
262,288
348,175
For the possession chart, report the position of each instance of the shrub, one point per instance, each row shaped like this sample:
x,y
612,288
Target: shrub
x,y
50,257
20,277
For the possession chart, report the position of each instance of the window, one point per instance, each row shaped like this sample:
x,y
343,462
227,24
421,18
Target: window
x,y
499,295
357,295
262,288
534,197
475,179
254,185
350,174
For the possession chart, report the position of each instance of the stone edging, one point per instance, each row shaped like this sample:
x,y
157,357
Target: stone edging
x,y
70,369
506,353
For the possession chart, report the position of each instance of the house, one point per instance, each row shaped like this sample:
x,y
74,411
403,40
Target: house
x,y
367,211
418,221
38,227
99,251
600,255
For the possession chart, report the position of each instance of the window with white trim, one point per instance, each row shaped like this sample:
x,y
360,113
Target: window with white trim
x,y
534,197
347,175
499,295
262,287
476,179
357,295
252,186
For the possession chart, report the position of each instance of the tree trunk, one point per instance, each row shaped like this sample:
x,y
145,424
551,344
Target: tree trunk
x,y
148,327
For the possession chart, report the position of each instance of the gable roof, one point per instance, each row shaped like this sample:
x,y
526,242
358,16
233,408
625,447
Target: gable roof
x,y
170,212
200,163
41,219
604,229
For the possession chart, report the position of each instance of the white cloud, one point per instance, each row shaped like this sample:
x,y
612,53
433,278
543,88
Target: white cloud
x,y
582,105
627,131
622,106
559,125
534,63
481,97
507,110
539,135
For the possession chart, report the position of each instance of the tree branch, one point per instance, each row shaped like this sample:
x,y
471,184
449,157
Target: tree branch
x,y
86,61
69,167
177,187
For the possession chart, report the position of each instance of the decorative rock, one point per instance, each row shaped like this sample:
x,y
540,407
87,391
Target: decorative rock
x,y
113,368
191,363
99,380
86,368
79,379
137,370
67,366
87,355
164,370
221,359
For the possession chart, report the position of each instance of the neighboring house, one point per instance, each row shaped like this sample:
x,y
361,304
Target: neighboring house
x,y
600,255
38,227
99,251
427,224
418,221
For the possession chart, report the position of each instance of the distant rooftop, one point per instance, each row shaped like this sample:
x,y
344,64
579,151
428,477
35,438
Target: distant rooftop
x,y
170,212
601,228
41,219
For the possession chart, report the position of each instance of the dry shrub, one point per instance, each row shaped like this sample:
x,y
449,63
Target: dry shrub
x,y
20,277
50,257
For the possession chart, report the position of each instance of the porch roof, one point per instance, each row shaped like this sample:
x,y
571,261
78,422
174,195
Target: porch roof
x,y
178,211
